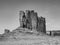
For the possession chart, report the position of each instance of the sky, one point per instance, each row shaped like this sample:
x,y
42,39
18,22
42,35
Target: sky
x,y
9,12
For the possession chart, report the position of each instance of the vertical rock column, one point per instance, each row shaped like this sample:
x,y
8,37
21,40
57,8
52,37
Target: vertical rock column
x,y
41,25
21,18
28,19
44,25
34,20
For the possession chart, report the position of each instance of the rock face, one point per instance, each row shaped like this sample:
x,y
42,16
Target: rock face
x,y
22,19
29,19
41,25
34,20
7,31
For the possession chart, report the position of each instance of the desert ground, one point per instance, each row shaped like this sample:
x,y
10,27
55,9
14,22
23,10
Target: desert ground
x,y
17,37
31,40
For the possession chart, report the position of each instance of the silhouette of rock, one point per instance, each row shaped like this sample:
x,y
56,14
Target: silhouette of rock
x,y
29,19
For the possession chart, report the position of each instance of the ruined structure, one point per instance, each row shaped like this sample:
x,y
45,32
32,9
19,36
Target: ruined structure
x,y
29,19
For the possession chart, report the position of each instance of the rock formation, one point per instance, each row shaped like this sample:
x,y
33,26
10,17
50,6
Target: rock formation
x,y
41,25
29,19
22,19
30,23
7,31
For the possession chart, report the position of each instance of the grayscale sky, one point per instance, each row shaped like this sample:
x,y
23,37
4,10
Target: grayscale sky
x,y
9,12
